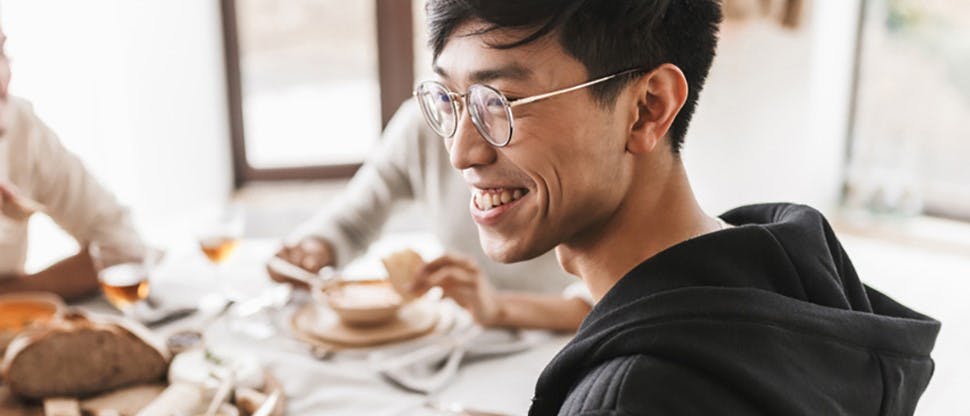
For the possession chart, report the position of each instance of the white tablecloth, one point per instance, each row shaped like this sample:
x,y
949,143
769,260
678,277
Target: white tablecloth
x,y
345,384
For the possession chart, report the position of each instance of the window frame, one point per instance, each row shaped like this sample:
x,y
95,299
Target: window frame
x,y
395,60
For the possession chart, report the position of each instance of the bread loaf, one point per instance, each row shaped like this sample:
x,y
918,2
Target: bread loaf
x,y
79,356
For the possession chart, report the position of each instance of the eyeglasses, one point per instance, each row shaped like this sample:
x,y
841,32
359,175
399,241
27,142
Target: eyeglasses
x,y
490,110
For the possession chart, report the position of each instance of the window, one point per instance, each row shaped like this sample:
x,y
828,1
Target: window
x,y
911,145
311,82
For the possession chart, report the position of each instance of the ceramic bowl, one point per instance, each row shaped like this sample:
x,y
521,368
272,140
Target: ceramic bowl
x,y
21,311
369,302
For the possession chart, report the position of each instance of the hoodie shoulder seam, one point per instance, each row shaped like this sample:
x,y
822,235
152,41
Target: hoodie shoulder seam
x,y
784,249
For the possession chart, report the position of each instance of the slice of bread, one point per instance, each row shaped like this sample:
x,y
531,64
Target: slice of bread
x,y
402,267
79,356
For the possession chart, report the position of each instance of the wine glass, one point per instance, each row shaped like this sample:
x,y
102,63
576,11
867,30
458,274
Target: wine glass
x,y
123,273
218,240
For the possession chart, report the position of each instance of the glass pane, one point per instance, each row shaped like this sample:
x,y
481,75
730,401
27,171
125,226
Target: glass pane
x,y
911,145
310,89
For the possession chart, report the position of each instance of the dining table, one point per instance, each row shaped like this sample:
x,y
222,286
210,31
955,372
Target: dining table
x,y
344,382
926,276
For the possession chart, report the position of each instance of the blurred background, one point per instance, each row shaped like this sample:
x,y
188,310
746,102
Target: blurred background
x,y
857,107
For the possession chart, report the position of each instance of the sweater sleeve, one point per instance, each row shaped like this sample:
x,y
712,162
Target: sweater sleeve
x,y
391,173
71,196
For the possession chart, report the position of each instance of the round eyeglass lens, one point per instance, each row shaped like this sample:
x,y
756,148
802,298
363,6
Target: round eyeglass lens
x,y
438,108
490,113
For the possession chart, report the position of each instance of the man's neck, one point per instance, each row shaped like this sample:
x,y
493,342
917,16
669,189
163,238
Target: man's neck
x,y
660,215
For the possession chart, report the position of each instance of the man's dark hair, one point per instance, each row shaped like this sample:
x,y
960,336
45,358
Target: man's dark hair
x,y
607,36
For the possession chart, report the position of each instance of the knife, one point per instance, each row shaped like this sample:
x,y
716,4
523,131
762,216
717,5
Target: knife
x,y
171,316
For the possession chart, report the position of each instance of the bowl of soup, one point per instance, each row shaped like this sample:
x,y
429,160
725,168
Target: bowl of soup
x,y
368,302
19,312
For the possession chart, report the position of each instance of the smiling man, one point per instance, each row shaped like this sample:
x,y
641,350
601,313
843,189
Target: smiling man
x,y
566,119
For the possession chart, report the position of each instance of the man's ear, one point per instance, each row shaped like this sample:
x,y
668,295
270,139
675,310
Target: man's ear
x,y
658,97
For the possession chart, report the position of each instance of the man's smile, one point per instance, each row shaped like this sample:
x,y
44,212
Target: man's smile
x,y
489,204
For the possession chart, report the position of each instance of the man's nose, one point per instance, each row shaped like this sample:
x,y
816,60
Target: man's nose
x,y
468,148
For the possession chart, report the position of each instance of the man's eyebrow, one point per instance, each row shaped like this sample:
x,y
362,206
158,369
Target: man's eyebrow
x,y
514,72
440,71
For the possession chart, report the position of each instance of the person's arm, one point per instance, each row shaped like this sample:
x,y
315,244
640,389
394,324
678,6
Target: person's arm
x,y
527,310
70,195
54,181
462,280
354,219
72,278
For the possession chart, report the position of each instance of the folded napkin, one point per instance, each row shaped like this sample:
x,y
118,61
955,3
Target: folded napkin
x,y
427,367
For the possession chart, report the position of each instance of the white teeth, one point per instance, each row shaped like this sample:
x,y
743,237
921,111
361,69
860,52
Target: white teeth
x,y
486,200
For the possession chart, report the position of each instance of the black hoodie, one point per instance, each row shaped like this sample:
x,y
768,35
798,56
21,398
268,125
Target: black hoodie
x,y
768,317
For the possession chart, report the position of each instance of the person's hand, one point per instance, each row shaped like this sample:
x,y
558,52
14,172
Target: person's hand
x,y
13,206
461,279
310,254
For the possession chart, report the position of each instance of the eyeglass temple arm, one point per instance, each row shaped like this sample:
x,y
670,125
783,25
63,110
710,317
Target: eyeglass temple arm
x,y
535,98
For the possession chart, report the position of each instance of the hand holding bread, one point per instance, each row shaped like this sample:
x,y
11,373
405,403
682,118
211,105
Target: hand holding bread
x,y
402,270
459,278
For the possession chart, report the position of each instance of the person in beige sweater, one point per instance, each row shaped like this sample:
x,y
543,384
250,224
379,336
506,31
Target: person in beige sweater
x,y
38,174
411,163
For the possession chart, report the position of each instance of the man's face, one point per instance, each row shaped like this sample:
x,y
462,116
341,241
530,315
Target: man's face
x,y
4,78
567,156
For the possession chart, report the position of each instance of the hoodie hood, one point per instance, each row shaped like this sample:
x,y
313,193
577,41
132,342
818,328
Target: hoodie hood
x,y
771,308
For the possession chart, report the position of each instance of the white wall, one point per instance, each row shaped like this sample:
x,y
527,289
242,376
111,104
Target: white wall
x,y
771,123
137,89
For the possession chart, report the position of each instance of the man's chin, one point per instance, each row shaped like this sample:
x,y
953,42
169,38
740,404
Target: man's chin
x,y
507,250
